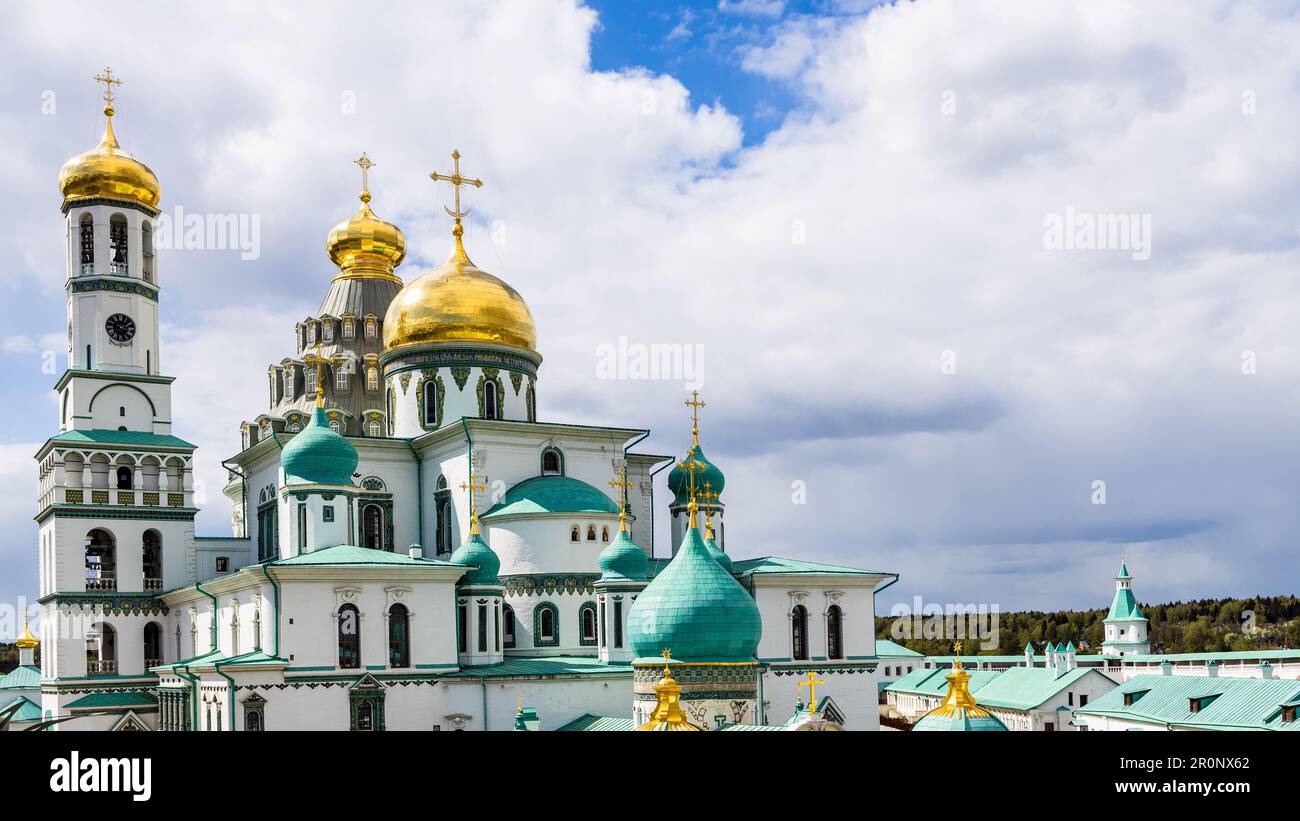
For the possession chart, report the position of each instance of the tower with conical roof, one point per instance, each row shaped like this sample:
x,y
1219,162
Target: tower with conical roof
x,y
1125,626
697,610
624,573
479,594
707,475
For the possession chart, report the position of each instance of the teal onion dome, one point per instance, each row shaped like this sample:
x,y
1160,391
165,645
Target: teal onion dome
x,y
959,722
680,485
719,555
483,559
696,610
622,560
318,456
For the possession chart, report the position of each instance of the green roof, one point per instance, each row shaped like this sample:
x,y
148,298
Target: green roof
x,y
932,681
29,711
695,609
776,565
1275,654
623,560
1123,571
1024,688
120,437
476,554
1233,703
353,556
708,472
552,494
888,649
318,456
596,724
542,666
113,700
24,677
719,555
959,721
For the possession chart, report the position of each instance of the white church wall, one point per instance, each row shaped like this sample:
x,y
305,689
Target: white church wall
x,y
568,610
544,546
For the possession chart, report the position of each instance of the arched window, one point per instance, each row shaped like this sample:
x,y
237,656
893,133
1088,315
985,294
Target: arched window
x,y
508,625
490,400
834,632
153,652
349,637
146,250
101,560
799,632
604,533
591,533
87,244
311,332
372,378
123,478
430,403
575,535
117,257
587,620
253,721
372,329
336,426
349,329
341,378
366,715
372,520
311,380
552,462
101,651
399,636
442,513
546,630
376,429
295,426
152,560
327,330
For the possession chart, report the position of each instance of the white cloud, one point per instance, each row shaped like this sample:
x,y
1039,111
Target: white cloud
x,y
930,142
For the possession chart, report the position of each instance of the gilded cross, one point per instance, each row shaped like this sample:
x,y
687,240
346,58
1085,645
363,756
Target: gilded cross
x,y
811,684
364,162
691,466
668,656
456,180
695,404
956,647
109,81
317,360
519,698
622,484
473,486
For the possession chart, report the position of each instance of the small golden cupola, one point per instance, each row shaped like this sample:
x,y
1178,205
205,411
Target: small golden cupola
x,y
365,246
458,302
106,172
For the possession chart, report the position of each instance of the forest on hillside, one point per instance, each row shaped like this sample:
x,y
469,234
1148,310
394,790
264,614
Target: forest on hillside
x,y
1204,625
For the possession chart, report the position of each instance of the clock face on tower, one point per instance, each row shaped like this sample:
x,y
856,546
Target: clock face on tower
x,y
120,328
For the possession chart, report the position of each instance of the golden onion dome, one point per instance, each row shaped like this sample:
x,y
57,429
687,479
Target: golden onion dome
x,y
26,641
457,302
365,245
108,172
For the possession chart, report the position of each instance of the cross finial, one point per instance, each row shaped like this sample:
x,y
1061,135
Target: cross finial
x,y
622,484
109,81
709,496
695,404
811,684
668,656
365,164
473,486
456,180
519,698
691,466
317,359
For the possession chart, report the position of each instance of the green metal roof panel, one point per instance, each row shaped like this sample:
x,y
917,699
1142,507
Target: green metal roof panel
x,y
29,711
888,649
120,437
776,565
113,700
23,677
1274,654
318,456
354,556
623,560
1124,607
597,724
552,494
533,667
1237,703
933,681
708,472
1024,688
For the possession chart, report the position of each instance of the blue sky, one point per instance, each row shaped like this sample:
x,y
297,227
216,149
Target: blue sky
x,y
844,204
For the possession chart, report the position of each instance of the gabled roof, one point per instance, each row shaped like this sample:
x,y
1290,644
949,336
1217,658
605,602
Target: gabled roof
x,y
120,437
933,681
346,555
23,677
1234,703
1024,688
29,711
779,566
